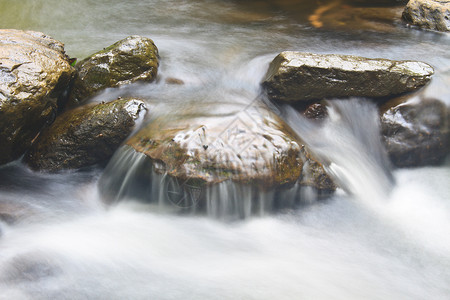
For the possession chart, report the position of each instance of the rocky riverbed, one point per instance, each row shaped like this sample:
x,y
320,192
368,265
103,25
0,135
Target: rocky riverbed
x,y
249,145
162,164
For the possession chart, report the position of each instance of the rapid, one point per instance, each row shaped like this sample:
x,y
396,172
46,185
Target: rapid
x,y
384,234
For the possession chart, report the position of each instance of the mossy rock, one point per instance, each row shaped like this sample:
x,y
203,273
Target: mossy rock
x,y
132,59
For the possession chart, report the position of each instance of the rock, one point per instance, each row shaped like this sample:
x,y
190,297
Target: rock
x,y
34,73
297,76
316,111
85,136
132,59
12,212
30,267
430,14
416,133
175,81
251,146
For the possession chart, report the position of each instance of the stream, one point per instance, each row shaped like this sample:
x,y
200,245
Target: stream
x,y
383,235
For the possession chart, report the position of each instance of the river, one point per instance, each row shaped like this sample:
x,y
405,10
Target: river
x,y
358,244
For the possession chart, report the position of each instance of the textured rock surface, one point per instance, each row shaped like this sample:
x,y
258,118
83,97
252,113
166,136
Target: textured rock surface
x,y
85,136
34,73
416,133
316,111
132,59
297,76
252,146
430,14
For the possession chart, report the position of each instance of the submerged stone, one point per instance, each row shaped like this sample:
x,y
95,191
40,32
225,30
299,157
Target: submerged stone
x,y
429,14
34,73
31,266
416,132
11,212
85,136
296,76
132,59
338,15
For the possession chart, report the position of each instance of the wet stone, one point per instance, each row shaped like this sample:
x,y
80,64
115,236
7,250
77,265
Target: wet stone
x,y
429,14
252,146
34,76
316,111
132,59
85,136
297,76
416,133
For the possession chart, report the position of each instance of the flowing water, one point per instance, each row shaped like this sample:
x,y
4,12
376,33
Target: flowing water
x,y
384,235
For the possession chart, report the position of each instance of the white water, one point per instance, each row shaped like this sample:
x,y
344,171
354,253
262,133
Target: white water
x,y
363,245
349,144
337,249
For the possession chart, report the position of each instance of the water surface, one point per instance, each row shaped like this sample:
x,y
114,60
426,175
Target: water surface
x,y
65,244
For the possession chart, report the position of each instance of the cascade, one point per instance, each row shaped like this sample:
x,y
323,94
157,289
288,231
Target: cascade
x,y
348,142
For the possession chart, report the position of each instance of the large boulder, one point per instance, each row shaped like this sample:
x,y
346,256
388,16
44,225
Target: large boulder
x,y
430,14
253,146
132,59
416,132
34,73
228,162
297,76
85,136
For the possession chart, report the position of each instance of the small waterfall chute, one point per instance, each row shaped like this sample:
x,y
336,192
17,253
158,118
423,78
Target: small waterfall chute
x,y
348,143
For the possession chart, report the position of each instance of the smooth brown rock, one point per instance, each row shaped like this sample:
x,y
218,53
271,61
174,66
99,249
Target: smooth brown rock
x,y
316,111
85,136
34,74
297,76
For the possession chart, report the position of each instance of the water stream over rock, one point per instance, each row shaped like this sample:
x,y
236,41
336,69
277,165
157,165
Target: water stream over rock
x,y
382,235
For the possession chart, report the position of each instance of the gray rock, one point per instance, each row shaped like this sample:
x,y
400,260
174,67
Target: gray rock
x,y
132,59
416,133
85,136
297,76
34,73
430,14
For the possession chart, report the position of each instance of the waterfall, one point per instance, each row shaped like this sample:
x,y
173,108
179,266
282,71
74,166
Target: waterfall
x,y
133,176
349,145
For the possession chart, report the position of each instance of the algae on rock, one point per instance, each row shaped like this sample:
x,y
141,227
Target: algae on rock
x,y
132,59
